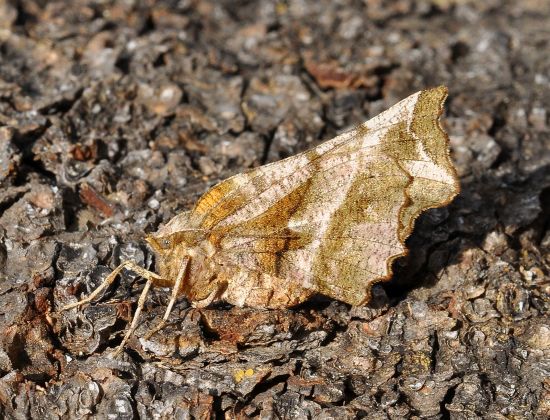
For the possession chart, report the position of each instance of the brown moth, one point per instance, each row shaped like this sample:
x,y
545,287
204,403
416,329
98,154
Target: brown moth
x,y
330,220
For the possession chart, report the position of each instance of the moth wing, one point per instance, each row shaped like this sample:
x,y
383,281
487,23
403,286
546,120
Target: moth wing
x,y
333,219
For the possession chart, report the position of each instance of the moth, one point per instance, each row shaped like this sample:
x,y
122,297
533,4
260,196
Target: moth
x,y
328,221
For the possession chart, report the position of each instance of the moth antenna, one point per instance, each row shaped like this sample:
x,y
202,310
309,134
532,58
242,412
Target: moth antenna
x,y
135,319
173,297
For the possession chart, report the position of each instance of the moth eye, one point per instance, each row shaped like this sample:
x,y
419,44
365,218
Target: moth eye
x,y
165,243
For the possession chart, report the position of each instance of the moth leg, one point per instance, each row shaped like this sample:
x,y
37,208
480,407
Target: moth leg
x,y
206,301
149,275
173,297
135,319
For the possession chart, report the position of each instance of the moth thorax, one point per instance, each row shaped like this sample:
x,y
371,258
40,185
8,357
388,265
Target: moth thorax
x,y
192,252
208,248
204,250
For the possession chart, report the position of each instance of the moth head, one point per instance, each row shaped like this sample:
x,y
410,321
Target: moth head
x,y
160,244
169,243
171,249
169,252
168,236
174,242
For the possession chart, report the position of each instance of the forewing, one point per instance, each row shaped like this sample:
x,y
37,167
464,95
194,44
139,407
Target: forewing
x,y
334,218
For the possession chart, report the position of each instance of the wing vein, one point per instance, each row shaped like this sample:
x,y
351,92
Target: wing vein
x,y
330,152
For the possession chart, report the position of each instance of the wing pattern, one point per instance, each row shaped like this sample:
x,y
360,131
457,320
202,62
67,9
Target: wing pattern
x,y
333,219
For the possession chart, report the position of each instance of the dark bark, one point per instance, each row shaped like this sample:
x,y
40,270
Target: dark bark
x,y
115,117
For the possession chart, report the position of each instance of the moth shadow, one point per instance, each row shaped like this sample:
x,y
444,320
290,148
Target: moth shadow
x,y
505,206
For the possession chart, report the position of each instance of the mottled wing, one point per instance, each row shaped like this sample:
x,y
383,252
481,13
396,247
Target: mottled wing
x,y
333,219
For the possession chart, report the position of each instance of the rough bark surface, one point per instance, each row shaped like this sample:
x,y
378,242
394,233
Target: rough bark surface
x,y
117,115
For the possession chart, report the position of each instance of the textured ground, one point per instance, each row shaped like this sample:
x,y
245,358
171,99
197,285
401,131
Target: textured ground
x,y
114,117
